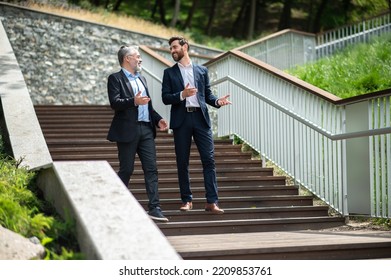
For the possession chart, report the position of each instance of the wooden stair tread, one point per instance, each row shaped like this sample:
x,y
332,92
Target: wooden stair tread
x,y
248,213
222,189
192,224
244,209
249,225
200,201
112,154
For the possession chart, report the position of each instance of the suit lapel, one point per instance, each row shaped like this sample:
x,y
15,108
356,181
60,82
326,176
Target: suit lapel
x,y
178,75
144,82
196,75
125,80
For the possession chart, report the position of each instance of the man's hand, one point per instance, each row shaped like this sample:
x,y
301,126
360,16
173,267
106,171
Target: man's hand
x,y
222,101
163,125
141,100
188,91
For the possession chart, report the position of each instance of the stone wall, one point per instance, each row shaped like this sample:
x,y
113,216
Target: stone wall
x,y
67,61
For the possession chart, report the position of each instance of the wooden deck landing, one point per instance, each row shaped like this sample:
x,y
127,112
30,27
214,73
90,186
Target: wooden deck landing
x,y
308,244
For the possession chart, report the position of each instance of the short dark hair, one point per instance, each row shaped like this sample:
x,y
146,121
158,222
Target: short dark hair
x,y
182,41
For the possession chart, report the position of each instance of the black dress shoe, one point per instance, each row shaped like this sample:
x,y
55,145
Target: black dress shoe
x,y
157,215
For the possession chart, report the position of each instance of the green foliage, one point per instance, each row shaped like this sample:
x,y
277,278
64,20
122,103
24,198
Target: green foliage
x,y
365,7
18,205
357,70
84,4
16,178
217,42
337,14
22,211
383,222
237,140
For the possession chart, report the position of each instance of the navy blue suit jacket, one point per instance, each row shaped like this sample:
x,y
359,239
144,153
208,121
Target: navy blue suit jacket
x,y
172,86
121,97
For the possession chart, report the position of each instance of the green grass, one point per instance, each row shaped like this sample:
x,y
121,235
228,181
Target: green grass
x,y
357,70
22,210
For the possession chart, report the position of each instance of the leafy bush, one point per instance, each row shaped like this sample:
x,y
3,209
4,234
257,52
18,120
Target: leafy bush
x,y
23,211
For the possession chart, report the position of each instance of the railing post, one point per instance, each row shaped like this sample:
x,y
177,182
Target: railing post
x,y
357,160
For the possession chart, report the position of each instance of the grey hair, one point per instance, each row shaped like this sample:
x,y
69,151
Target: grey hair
x,y
124,51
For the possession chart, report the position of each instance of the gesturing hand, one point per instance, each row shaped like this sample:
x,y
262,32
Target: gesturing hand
x,y
141,100
222,101
189,91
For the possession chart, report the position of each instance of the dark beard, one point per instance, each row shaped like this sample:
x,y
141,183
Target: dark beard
x,y
179,55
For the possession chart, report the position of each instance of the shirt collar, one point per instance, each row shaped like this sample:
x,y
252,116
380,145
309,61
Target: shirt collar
x,y
187,66
130,75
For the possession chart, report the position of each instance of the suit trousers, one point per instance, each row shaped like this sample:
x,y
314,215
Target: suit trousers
x,y
144,146
194,126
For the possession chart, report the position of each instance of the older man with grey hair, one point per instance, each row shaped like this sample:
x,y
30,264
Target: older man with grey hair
x,y
134,124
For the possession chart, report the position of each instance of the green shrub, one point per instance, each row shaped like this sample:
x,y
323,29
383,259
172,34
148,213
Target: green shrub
x,y
23,211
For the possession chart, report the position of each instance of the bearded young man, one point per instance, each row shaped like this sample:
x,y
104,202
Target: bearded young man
x,y
186,88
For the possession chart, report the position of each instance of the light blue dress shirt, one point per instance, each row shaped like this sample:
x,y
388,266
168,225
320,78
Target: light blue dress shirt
x,y
137,85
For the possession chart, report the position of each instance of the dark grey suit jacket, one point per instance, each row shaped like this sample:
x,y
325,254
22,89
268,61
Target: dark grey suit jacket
x,y
121,97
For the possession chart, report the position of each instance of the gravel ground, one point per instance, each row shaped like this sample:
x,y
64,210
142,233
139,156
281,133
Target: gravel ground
x,y
361,225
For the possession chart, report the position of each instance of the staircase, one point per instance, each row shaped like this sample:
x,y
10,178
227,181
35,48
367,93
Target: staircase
x,y
258,205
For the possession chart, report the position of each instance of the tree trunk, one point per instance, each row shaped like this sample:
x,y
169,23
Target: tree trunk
x,y
175,16
251,23
235,25
310,16
107,4
260,16
162,11
318,16
286,16
212,14
116,5
346,7
191,14
153,10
